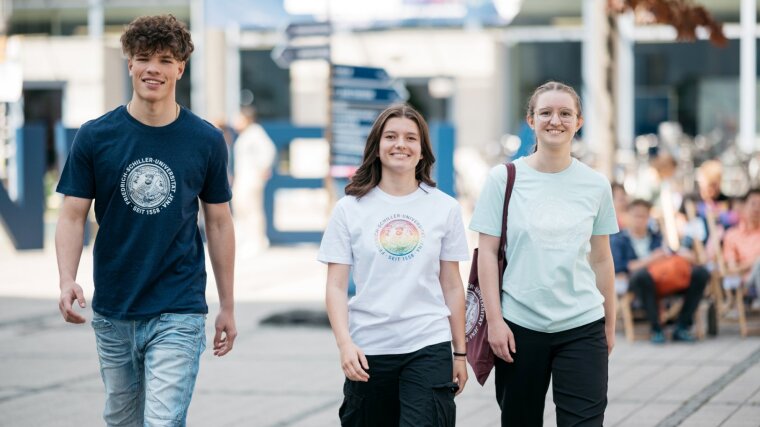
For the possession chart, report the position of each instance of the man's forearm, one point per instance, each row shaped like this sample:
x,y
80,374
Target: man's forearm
x,y
69,242
221,249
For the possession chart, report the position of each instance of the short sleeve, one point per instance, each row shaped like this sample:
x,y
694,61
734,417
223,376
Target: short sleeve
x,y
78,177
454,243
336,241
605,221
216,186
486,218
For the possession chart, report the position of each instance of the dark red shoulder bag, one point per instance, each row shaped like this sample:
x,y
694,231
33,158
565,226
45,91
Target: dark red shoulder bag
x,y
479,353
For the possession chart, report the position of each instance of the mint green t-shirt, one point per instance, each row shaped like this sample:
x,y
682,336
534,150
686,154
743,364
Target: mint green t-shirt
x,y
549,285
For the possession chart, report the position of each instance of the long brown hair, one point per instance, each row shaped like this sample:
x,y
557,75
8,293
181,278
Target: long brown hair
x,y
551,86
369,173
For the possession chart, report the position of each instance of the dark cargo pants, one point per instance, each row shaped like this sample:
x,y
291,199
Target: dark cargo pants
x,y
413,389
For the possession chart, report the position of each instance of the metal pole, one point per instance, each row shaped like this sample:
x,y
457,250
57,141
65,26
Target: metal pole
x,y
625,82
234,84
748,77
198,60
596,99
95,19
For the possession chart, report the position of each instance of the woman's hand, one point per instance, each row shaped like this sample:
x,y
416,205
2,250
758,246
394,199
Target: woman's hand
x,y
353,362
610,334
460,373
502,340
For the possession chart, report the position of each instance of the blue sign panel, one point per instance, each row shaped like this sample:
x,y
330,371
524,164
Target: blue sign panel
x,y
364,73
369,95
358,95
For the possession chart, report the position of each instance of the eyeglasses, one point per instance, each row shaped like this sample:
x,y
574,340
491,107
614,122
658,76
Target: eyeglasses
x,y
564,116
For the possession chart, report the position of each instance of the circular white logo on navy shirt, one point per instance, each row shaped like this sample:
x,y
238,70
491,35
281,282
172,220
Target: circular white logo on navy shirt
x,y
148,186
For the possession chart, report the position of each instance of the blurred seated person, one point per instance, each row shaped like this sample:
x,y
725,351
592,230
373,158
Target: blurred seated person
x,y
709,178
742,245
634,249
620,201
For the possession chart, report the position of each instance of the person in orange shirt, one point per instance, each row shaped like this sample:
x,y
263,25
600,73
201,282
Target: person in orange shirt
x,y
742,245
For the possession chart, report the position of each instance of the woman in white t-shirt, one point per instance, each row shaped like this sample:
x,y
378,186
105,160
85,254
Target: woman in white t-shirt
x,y
554,317
404,239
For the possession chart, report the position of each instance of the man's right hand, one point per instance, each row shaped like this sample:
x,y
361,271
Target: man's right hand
x,y
502,340
71,292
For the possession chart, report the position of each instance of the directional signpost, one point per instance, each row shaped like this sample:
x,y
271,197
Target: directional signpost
x,y
309,40
284,56
358,95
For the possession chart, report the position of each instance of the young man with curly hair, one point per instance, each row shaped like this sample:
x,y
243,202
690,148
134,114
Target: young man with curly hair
x,y
146,165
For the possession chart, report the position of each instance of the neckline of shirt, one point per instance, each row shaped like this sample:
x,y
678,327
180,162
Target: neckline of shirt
x,y
420,191
142,126
524,165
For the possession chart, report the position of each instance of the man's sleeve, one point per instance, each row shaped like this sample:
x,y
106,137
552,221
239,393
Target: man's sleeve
x,y
216,186
78,177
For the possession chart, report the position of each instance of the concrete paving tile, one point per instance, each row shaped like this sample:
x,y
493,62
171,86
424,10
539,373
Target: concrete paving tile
x,y
710,415
746,416
59,338
624,380
6,392
44,371
328,418
739,351
234,410
291,376
741,389
617,412
755,399
659,381
477,412
649,415
60,408
692,383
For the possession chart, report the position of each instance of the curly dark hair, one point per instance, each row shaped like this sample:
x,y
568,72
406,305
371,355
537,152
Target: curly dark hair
x,y
150,34
370,172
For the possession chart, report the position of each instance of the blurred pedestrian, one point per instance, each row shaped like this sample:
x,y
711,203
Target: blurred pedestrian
x,y
620,202
146,165
634,250
254,154
742,245
404,239
230,135
554,317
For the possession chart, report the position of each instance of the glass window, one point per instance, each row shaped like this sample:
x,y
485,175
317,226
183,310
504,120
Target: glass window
x,y
265,85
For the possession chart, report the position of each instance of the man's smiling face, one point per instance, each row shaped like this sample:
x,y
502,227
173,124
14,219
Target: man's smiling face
x,y
154,76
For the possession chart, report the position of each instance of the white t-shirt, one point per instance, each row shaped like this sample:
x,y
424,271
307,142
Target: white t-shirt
x,y
549,285
254,156
395,245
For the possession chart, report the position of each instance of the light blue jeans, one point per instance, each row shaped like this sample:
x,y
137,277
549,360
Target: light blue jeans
x,y
149,367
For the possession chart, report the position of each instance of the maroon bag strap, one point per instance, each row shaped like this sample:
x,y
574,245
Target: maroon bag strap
x,y
501,255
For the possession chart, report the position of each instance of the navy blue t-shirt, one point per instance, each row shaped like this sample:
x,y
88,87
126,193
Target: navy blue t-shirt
x,y
146,182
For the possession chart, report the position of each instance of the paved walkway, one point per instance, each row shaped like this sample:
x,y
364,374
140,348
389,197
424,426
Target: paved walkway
x,y
289,376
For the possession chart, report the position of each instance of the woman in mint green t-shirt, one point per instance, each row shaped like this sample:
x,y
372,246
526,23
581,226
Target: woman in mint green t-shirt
x,y
554,317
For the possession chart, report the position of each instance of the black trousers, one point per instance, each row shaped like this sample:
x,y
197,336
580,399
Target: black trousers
x,y
413,389
576,362
642,284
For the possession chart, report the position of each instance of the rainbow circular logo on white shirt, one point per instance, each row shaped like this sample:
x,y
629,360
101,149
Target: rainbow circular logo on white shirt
x,y
399,237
